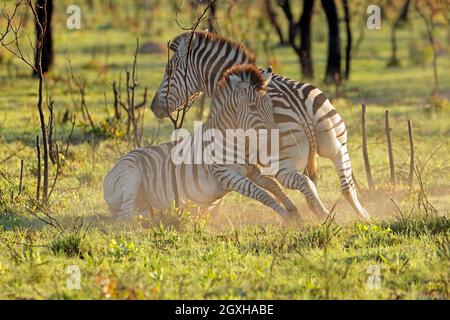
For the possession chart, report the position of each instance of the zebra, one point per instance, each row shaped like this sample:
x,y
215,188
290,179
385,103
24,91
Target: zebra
x,y
309,124
148,178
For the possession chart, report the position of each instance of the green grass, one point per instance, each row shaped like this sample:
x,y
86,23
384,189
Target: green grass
x,y
244,251
317,262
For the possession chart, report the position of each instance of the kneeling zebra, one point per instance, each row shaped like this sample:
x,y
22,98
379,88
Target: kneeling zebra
x,y
148,178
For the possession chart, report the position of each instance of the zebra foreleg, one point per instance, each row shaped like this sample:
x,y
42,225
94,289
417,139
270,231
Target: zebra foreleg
x,y
297,181
232,180
272,185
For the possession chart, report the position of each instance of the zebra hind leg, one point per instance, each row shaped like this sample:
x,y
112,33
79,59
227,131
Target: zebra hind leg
x,y
130,190
128,206
344,170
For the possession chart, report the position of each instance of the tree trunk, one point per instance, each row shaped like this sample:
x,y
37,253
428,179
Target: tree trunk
x,y
403,17
212,17
44,10
301,28
274,21
348,48
41,20
435,67
305,35
430,33
333,70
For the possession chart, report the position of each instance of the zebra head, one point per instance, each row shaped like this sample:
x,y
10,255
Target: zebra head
x,y
242,90
178,86
198,62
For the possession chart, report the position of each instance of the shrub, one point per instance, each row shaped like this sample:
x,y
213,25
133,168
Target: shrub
x,y
69,245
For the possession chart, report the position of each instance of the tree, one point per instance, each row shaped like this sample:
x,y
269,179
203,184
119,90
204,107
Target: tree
x,y
10,39
212,10
274,21
428,10
212,16
402,18
333,70
44,11
302,29
348,47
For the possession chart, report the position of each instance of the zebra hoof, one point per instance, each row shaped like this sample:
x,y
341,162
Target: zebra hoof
x,y
122,217
292,210
292,220
365,215
293,216
318,209
282,212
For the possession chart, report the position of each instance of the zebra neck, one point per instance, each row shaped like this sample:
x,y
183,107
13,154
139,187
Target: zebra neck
x,y
211,65
224,115
221,121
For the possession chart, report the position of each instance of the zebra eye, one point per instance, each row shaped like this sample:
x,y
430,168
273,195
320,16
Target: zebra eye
x,y
252,106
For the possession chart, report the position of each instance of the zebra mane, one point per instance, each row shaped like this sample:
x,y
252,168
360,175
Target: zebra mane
x,y
209,36
248,73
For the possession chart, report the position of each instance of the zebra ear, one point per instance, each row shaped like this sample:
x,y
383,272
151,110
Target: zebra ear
x,y
173,46
235,80
182,47
177,43
183,43
267,75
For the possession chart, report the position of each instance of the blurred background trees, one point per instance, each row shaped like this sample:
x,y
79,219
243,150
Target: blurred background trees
x,y
324,36
299,34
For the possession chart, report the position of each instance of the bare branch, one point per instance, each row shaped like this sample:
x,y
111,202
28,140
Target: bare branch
x,y
181,112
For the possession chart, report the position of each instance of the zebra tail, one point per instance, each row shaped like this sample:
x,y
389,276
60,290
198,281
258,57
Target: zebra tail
x,y
311,167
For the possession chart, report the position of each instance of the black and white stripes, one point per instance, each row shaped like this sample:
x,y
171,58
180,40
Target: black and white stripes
x,y
148,178
308,122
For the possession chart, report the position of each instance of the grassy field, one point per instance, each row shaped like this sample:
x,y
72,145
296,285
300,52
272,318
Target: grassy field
x,y
245,251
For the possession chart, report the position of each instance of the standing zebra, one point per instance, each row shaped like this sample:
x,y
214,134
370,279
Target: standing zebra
x,y
149,178
308,122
